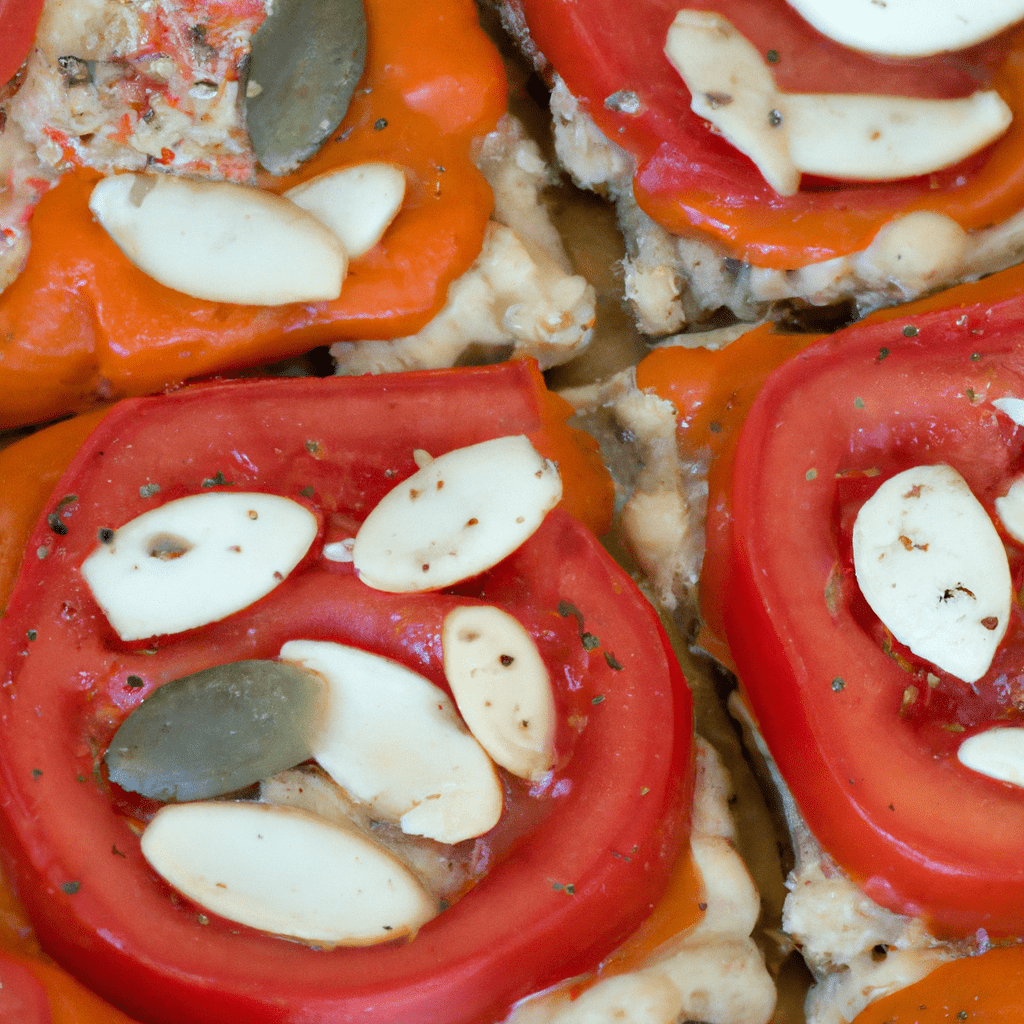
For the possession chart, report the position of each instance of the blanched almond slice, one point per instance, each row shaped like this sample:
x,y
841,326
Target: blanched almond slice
x,y
219,241
357,203
196,560
1010,509
909,28
878,138
852,137
997,753
732,87
502,687
932,567
285,871
393,740
459,515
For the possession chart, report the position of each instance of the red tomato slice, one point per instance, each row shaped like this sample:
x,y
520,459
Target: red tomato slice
x,y
864,733
22,997
577,866
18,19
687,178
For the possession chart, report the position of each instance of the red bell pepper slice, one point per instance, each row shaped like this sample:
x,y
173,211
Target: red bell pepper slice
x,y
577,867
864,733
82,324
689,179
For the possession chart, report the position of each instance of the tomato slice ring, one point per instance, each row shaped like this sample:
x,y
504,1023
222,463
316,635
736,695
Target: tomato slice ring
x,y
865,737
105,916
689,179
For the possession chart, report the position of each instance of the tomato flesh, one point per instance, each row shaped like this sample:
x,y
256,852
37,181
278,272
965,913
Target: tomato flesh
x,y
864,733
577,866
18,20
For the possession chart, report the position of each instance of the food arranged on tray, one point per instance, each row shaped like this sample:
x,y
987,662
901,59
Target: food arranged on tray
x,y
361,609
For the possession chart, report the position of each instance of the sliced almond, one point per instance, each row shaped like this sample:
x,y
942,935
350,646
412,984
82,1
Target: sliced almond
x,y
879,138
459,515
910,28
502,687
852,137
286,871
932,567
393,740
998,753
220,241
357,203
1010,509
196,560
732,87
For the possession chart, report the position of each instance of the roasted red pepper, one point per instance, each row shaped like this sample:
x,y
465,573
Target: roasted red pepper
x,y
691,180
571,879
82,324
864,733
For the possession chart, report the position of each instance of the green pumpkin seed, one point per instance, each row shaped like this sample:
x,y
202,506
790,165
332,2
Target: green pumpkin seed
x,y
306,61
217,731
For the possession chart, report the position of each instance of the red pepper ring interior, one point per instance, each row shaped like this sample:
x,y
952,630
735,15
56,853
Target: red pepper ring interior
x,y
576,868
865,734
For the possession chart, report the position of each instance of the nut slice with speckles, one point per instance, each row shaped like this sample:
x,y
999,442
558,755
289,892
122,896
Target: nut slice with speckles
x,y
460,514
286,871
394,741
502,687
155,575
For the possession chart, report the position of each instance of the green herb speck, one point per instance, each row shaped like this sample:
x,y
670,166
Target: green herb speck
x,y
975,356
148,490
772,56
599,699
589,641
858,403
971,394
37,772
569,888
31,634
217,480
882,353
838,684
810,474
613,662
566,608
54,522
135,682
910,331
70,888
306,492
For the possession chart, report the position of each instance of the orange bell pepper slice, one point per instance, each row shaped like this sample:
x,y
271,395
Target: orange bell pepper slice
x,y
986,989
81,324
